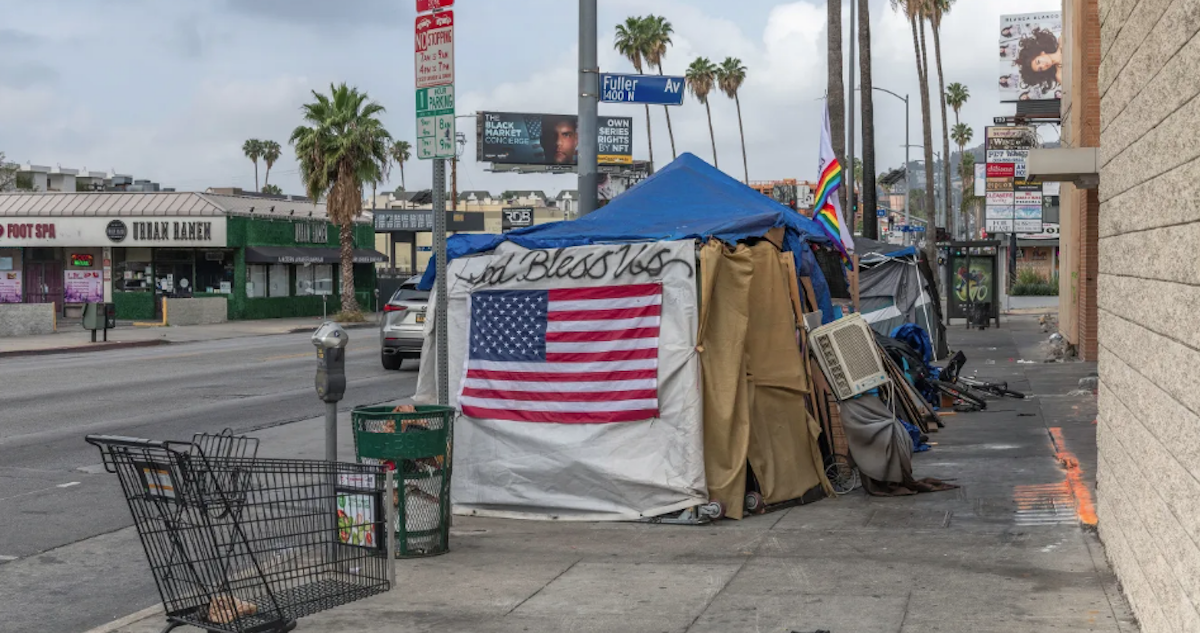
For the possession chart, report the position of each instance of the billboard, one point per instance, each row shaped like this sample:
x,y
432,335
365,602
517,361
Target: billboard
x,y
550,139
1031,56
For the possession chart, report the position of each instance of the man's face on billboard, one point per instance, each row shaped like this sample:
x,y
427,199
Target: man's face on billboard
x,y
567,141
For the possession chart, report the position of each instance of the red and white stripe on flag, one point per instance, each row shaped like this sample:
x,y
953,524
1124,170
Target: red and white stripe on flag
x,y
569,355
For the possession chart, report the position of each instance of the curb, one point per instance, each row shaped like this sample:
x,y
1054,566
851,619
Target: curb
x,y
345,326
98,347
119,623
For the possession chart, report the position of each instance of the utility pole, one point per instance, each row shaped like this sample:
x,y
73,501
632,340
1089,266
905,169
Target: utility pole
x,y
850,127
440,322
589,97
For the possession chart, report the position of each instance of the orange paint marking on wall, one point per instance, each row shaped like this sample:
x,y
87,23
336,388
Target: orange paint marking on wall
x,y
1079,489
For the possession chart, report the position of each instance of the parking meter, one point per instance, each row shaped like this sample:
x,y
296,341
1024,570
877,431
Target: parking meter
x,y
330,340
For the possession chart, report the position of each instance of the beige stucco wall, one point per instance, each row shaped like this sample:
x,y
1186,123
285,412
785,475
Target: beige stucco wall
x,y
1149,300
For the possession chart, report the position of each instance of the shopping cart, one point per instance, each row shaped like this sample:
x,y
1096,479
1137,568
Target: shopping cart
x,y
238,544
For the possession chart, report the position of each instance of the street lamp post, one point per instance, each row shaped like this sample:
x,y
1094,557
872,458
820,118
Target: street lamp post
x,y
932,219
907,182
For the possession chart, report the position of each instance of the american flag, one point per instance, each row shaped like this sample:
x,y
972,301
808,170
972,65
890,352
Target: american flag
x,y
570,355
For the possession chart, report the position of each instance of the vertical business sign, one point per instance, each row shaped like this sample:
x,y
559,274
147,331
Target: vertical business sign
x,y
1011,205
433,37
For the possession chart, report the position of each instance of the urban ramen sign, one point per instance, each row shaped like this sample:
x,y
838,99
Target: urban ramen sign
x,y
69,232
312,233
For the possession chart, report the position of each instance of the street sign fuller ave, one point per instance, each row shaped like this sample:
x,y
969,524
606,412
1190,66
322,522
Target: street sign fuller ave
x,y
647,89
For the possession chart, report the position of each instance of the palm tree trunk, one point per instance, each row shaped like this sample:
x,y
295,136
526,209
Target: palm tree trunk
x,y
670,132
402,185
346,240
267,177
256,176
742,130
869,201
836,97
649,136
711,135
931,251
946,169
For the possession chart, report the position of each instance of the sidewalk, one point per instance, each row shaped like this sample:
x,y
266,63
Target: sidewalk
x,y
74,338
1005,552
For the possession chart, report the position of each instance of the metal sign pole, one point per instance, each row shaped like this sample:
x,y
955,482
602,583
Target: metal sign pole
x,y
589,96
440,324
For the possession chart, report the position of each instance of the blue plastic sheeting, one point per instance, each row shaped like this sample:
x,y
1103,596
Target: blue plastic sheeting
x,y
687,199
915,434
917,338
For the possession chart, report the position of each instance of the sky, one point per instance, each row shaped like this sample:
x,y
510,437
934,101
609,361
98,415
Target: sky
x,y
169,90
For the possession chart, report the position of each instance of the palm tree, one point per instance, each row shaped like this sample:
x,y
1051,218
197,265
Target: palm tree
x,y
272,190
962,134
868,196
270,154
701,77
401,152
914,11
957,96
658,39
730,77
342,146
253,149
632,41
835,95
937,9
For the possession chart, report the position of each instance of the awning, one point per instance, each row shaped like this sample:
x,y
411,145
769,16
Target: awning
x,y
297,255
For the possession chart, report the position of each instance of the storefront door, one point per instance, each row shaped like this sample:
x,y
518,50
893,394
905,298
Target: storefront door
x,y
44,283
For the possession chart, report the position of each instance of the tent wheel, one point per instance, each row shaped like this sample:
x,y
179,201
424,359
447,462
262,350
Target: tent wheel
x,y
754,503
712,510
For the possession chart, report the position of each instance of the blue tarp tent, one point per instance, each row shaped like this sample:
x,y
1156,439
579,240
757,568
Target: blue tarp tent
x,y
687,199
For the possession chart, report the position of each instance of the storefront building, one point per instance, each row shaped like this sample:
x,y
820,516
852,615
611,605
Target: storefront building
x,y
267,257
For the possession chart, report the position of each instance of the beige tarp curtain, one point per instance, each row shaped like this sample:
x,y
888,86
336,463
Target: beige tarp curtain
x,y
754,379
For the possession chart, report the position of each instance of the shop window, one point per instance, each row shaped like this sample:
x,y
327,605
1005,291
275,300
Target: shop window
x,y
279,278
323,279
314,279
131,270
214,272
257,285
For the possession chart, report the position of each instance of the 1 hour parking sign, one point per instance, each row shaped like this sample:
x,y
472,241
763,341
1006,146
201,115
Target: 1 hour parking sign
x,y
435,122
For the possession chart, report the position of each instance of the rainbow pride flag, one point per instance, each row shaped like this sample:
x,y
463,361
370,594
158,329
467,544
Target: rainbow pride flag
x,y
828,207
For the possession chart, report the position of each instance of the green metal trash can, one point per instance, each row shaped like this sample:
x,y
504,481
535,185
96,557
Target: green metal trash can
x,y
417,446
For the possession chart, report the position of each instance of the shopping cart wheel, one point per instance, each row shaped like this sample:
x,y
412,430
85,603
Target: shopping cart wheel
x,y
712,510
755,503
842,475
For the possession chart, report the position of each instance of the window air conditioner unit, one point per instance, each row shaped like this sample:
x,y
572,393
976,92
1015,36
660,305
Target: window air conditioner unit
x,y
848,355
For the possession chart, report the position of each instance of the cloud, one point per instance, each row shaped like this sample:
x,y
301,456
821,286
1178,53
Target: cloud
x,y
251,64
26,73
325,13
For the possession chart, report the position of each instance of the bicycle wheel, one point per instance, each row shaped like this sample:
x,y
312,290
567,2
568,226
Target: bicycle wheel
x,y
842,475
961,394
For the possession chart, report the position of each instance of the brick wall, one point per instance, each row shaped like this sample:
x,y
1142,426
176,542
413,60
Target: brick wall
x,y
1080,209
1149,304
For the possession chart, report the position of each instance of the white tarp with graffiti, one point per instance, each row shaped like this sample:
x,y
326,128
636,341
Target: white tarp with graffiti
x,y
565,469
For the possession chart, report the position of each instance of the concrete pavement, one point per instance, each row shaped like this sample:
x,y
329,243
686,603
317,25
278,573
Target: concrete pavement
x,y
66,553
73,338
1005,552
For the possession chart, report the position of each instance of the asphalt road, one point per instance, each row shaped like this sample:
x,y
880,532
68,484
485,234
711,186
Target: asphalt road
x,y
54,495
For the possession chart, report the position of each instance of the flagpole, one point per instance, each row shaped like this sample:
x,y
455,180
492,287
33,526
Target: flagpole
x,y
850,141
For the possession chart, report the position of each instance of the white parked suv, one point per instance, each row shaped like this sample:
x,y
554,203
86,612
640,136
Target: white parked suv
x,y
402,328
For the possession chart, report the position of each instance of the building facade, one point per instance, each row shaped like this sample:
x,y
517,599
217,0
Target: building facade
x,y
264,257
1146,230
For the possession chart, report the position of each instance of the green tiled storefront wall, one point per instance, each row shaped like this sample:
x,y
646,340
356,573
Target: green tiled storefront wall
x,y
243,232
